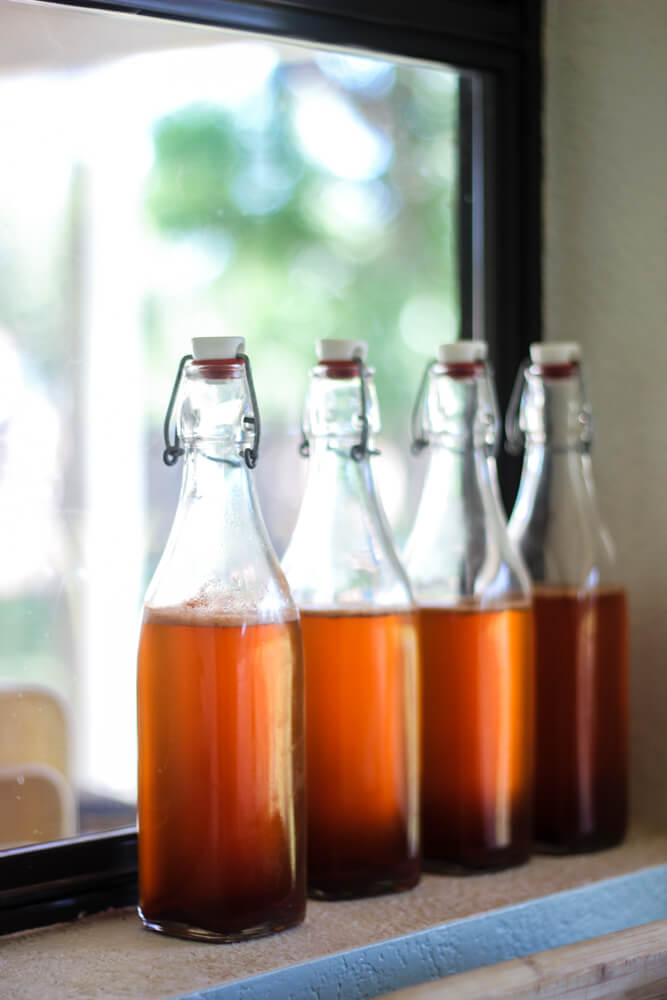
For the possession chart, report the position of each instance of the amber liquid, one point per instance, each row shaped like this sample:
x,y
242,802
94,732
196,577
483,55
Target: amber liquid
x,y
582,706
362,753
221,812
478,736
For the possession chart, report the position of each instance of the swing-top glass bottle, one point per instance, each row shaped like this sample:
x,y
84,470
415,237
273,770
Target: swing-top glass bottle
x,y
475,625
580,609
360,646
220,686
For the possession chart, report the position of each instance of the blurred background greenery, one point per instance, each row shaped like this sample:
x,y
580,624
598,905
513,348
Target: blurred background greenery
x,y
325,205
237,187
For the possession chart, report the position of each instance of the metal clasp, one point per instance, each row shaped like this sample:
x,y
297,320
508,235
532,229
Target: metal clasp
x,y
514,435
513,432
361,450
586,415
419,441
173,449
251,454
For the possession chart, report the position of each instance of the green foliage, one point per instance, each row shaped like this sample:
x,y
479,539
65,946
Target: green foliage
x,y
198,157
309,254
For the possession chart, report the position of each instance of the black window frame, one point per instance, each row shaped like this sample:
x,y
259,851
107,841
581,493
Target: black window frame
x,y
499,39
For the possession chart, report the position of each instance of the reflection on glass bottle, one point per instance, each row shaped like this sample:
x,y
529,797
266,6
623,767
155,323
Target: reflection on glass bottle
x,y
476,628
220,686
580,610
360,646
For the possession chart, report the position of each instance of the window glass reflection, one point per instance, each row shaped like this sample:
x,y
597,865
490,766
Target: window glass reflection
x,y
205,183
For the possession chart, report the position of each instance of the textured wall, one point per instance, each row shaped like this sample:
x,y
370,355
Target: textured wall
x,y
605,256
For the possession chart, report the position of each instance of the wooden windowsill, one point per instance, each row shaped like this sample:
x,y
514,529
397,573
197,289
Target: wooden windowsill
x,y
626,964
110,955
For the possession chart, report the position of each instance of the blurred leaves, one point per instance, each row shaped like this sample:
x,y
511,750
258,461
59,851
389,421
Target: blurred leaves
x,y
198,157
316,247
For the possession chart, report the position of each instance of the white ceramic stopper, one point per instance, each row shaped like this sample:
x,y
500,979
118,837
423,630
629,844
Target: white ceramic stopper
x,y
216,348
465,351
332,349
555,353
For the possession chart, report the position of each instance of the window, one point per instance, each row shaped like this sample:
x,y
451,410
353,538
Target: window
x,y
165,178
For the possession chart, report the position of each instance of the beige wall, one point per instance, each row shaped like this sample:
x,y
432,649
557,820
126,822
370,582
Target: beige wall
x,y
605,257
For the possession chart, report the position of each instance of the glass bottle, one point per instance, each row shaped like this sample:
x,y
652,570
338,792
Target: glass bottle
x,y
580,610
220,684
360,646
476,628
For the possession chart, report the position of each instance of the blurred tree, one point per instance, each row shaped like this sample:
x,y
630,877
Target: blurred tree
x,y
304,250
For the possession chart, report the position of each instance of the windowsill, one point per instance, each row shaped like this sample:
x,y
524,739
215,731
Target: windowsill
x,y
110,955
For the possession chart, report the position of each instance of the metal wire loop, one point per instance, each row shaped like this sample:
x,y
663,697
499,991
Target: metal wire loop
x,y
360,450
304,446
497,419
513,432
419,441
172,449
251,454
587,444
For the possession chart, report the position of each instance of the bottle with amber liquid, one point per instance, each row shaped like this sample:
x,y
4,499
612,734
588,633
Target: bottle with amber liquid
x,y
360,646
475,625
220,683
580,610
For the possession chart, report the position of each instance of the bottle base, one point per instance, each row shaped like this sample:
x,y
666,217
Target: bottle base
x,y
333,889
579,845
190,932
479,865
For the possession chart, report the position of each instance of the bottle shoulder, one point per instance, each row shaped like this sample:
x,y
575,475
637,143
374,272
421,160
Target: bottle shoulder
x,y
219,560
459,547
557,525
216,613
342,551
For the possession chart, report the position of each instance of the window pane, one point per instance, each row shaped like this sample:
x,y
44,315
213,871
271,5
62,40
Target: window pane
x,y
180,181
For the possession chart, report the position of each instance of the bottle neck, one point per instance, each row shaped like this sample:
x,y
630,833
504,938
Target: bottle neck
x,y
459,551
218,564
461,497
212,471
460,411
217,499
554,411
460,423
341,408
341,554
218,561
341,416
218,495
556,521
216,417
556,483
214,429
332,471
463,475
552,473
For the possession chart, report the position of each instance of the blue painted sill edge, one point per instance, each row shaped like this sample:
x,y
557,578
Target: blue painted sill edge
x,y
563,918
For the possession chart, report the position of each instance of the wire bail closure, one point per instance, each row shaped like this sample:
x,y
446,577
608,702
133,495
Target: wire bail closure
x,y
173,449
251,454
513,432
361,450
515,436
419,440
